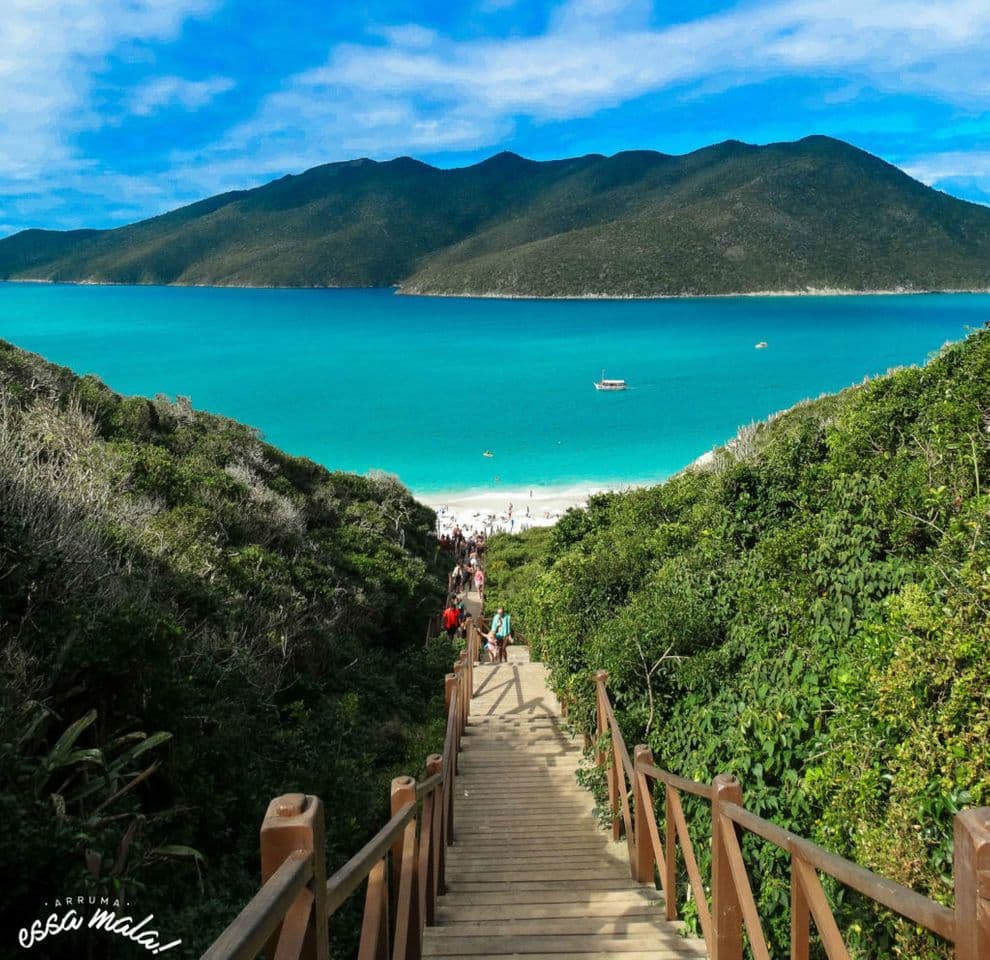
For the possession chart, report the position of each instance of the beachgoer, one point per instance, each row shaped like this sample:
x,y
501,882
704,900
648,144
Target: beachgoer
x,y
491,647
501,630
479,580
451,620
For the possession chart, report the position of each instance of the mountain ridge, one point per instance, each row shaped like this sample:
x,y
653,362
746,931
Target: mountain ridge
x,y
730,218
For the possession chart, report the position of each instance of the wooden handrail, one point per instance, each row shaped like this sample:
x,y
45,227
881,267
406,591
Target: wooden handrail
x,y
703,790
425,786
353,873
903,900
250,930
618,741
733,903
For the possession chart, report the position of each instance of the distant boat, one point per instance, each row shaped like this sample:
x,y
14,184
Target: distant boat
x,y
762,345
604,384
488,453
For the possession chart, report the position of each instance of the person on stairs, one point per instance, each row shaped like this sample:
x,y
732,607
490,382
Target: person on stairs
x,y
451,618
501,632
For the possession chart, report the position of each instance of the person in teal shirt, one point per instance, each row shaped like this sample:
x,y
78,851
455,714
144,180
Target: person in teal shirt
x,y
501,630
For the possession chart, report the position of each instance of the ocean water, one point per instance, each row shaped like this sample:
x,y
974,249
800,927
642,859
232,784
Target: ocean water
x,y
421,387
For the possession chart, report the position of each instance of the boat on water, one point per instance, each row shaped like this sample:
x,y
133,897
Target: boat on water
x,y
604,384
762,345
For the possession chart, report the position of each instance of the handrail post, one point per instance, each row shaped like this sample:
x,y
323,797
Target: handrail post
x,y
971,873
459,680
401,792
473,647
613,792
726,909
295,821
449,695
670,853
462,659
449,686
642,863
436,853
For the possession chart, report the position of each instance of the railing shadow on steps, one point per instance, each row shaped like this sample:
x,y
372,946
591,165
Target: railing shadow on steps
x,y
403,864
732,907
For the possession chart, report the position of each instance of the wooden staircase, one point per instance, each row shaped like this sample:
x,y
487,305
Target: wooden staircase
x,y
500,828
530,874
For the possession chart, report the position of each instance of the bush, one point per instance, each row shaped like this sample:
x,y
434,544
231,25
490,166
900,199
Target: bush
x,y
192,623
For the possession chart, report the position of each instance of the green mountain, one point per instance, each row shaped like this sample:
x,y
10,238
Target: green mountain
x,y
809,612
191,623
731,218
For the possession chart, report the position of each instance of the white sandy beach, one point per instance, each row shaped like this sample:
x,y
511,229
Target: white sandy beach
x,y
489,510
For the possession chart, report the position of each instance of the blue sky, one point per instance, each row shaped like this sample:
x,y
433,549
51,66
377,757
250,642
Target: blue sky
x,y
113,110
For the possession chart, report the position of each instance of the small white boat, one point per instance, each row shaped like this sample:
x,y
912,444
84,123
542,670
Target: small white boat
x,y
604,384
762,345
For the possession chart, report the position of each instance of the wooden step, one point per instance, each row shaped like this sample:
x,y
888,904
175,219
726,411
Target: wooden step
x,y
615,926
572,946
499,912
628,895
474,886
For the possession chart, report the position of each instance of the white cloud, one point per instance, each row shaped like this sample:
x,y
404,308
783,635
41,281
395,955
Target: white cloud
x,y
409,35
171,91
942,166
962,173
412,90
421,91
50,56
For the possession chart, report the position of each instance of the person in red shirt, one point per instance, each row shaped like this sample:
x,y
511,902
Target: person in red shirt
x,y
451,620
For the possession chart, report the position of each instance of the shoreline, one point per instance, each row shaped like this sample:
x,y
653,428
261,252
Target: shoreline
x,y
487,509
618,297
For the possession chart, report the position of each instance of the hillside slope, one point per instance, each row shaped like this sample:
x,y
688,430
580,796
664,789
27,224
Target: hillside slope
x,y
810,614
191,623
814,214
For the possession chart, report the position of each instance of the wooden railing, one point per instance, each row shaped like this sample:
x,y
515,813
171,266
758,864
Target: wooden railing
x,y
403,864
732,907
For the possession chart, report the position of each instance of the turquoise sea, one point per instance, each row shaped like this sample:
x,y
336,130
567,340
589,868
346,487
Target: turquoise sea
x,y
420,387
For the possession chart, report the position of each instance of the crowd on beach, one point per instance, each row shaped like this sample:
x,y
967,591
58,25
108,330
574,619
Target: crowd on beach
x,y
508,520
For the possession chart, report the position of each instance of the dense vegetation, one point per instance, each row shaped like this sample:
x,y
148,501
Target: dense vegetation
x,y
810,613
192,623
815,214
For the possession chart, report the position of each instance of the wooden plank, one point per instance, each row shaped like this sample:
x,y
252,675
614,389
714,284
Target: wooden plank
x,y
673,952
548,926
499,913
555,944
751,915
526,856
522,874
828,929
564,895
469,861
457,885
